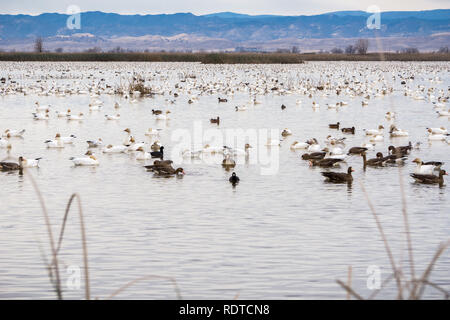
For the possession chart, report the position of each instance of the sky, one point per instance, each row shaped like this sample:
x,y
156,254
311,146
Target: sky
x,y
282,7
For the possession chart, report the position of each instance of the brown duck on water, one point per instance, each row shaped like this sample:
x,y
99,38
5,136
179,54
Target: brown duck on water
x,y
400,151
325,163
217,120
339,176
11,166
334,126
158,164
430,178
375,162
313,155
348,130
356,150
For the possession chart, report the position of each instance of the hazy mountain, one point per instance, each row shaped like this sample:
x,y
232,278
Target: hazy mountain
x,y
226,27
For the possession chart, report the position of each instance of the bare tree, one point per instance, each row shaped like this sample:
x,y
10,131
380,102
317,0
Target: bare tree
x,y
410,50
350,49
443,50
39,45
337,50
295,49
361,46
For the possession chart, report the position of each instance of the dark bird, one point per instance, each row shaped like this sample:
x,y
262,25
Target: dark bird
x,y
158,164
228,163
11,166
334,125
156,111
314,155
283,107
168,171
348,130
325,163
217,120
234,179
158,154
375,162
339,176
222,99
430,178
356,150
400,151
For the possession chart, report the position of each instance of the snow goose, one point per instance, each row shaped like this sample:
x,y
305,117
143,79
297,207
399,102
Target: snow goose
x,y
90,160
13,133
56,143
112,117
374,132
95,143
114,149
29,163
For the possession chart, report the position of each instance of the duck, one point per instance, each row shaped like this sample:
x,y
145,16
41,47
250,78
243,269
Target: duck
x,y
90,160
440,130
168,171
142,155
374,162
69,139
334,125
339,177
283,107
158,163
10,166
240,108
374,132
313,156
376,138
163,116
299,145
234,179
396,132
95,143
390,115
437,137
29,163
314,147
41,116
356,150
78,117
348,130
430,178
115,149
155,146
60,114
222,99
156,112
133,146
13,133
217,120
56,143
325,162
443,113
228,163
401,151
158,154
286,132
109,117
151,132
423,168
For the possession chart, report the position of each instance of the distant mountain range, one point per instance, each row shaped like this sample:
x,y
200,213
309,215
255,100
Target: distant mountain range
x,y
223,31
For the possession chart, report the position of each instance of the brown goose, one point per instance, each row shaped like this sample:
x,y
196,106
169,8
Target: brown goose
x,y
158,164
430,178
375,162
11,166
356,150
348,130
228,163
217,120
334,126
325,163
168,171
222,100
156,111
339,176
314,155
402,150
283,107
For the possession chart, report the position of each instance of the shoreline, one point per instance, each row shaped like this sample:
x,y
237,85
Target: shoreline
x,y
220,58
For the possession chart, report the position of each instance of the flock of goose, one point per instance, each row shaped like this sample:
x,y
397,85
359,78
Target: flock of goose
x,y
192,85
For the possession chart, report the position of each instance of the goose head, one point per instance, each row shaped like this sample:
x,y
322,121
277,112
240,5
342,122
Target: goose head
x,y
140,149
127,130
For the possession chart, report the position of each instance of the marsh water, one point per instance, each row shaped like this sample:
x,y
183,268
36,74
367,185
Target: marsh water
x,y
284,235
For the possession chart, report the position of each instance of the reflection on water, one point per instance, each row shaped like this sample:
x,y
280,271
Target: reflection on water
x,y
287,235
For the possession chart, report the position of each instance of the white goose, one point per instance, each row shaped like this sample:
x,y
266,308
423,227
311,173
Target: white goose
x,y
95,143
29,163
437,137
423,169
374,132
109,117
41,116
90,160
61,114
133,146
396,132
69,139
142,155
74,117
152,132
40,108
440,130
56,143
13,133
114,149
299,145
